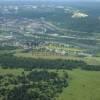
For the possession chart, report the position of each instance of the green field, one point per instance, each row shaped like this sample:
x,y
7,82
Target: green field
x,y
83,85
11,71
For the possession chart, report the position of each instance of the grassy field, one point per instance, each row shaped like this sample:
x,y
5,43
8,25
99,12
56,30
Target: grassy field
x,y
83,85
92,60
11,71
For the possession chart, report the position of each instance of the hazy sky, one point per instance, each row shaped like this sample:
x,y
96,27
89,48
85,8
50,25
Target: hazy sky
x,y
56,0
52,0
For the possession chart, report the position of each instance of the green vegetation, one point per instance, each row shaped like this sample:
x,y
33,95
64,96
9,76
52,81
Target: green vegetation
x,y
3,33
8,48
51,55
36,85
46,54
92,60
83,85
30,77
10,61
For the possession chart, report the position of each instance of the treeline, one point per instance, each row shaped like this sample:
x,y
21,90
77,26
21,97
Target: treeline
x,y
91,67
10,61
8,47
37,85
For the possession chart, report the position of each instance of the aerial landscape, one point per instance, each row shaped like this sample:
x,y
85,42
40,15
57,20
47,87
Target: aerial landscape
x,y
49,50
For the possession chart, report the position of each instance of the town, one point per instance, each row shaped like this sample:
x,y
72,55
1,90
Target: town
x,y
40,33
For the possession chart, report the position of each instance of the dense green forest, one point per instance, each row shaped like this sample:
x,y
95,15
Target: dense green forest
x,y
37,85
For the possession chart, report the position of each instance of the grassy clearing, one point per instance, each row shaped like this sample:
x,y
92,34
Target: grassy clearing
x,y
83,85
11,71
92,60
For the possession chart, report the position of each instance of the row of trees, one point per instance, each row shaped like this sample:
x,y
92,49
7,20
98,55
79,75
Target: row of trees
x,y
91,67
8,47
10,61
